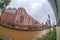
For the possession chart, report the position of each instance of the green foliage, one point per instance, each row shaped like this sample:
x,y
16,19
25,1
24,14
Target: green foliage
x,y
1,39
4,3
54,25
50,35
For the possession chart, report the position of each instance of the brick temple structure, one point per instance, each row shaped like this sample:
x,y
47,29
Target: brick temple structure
x,y
18,18
8,16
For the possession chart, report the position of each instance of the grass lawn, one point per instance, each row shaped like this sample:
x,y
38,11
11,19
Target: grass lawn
x,y
50,35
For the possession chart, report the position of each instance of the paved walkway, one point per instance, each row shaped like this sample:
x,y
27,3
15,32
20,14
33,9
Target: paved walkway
x,y
58,33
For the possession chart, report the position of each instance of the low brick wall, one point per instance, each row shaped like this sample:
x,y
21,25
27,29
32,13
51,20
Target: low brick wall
x,y
20,25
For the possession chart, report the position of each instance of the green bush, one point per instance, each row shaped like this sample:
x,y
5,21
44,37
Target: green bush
x,y
50,35
1,39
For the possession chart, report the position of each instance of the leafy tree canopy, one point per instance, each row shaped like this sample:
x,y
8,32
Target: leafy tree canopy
x,y
4,3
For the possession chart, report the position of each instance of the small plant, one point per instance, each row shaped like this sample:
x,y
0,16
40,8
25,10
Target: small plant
x,y
50,36
1,39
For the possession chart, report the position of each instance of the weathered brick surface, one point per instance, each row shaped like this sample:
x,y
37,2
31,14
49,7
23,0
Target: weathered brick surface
x,y
7,18
19,16
28,20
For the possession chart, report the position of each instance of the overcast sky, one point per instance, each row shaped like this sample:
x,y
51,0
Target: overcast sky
x,y
38,9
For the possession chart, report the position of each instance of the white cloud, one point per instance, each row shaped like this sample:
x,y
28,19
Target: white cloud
x,y
38,9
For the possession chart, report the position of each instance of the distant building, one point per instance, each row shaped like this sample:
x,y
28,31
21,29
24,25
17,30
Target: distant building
x,y
45,26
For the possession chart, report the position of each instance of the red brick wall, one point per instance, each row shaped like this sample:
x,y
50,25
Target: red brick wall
x,y
7,18
28,20
21,25
45,26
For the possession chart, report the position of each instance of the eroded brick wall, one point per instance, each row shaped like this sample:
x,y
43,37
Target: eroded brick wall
x,y
7,18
